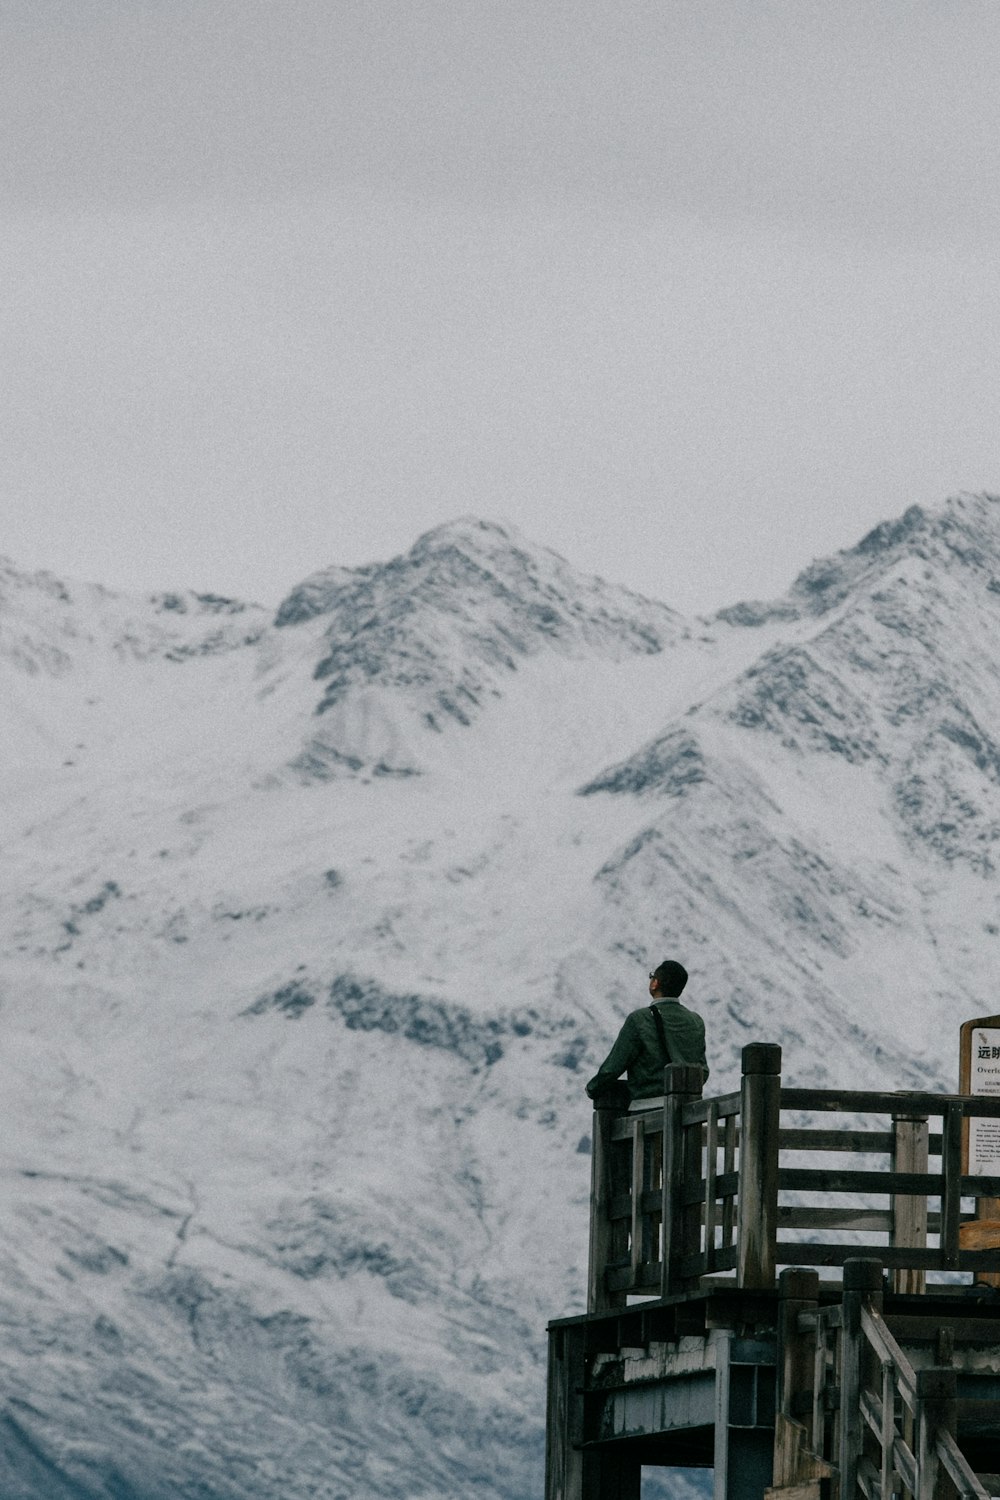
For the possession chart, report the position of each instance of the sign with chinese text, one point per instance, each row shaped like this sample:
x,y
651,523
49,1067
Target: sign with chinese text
x,y
980,1075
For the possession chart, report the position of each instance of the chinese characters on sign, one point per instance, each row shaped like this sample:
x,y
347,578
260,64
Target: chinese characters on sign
x,y
984,1079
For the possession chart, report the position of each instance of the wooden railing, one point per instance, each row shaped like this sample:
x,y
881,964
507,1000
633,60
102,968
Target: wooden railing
x,y
851,1407
685,1186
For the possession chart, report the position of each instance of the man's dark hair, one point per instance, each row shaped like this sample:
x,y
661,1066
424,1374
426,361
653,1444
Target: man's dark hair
x,y
671,977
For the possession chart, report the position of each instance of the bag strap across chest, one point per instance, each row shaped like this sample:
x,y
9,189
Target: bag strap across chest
x,y
663,1033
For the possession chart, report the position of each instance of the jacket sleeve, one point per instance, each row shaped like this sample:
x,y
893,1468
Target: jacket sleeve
x,y
623,1053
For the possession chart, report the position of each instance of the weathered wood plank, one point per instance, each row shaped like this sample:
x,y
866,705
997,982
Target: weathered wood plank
x,y
797,1253
645,1278
886,1346
979,1187
909,1212
638,1163
833,1180
887,1433
979,1260
862,1284
694,1189
955,1464
951,1167
798,1291
722,1105
878,1142
681,1085
810,1489
728,1174
693,1211
935,1415
979,1234
798,1216
694,1266
624,1126
599,1297
870,1102
711,1173
917,1328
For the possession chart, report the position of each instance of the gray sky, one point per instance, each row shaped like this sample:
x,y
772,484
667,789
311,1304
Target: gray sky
x,y
692,293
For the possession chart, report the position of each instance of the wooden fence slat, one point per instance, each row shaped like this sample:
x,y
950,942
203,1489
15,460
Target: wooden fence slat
x,y
878,1142
693,1266
797,1252
886,1346
723,1105
728,1174
830,1180
711,1168
887,1435
870,1102
979,1187
638,1168
797,1216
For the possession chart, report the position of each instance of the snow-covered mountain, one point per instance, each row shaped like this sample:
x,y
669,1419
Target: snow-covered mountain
x,y
313,926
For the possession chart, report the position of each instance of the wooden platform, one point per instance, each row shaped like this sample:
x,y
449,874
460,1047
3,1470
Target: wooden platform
x,y
752,1386
699,1350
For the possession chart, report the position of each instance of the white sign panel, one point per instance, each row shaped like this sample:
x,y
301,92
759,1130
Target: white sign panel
x,y
984,1079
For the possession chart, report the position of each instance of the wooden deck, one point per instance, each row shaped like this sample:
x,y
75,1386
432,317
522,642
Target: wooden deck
x,y
880,1380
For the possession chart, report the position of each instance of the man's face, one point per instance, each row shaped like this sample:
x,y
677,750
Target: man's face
x,y
654,985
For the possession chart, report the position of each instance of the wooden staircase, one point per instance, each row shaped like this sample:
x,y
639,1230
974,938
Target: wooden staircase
x,y
869,1402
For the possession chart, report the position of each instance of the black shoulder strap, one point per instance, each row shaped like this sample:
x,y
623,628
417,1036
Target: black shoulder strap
x,y
663,1033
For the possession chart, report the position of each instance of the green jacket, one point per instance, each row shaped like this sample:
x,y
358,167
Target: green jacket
x,y
638,1049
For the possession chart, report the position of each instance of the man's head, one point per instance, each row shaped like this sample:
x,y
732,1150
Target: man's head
x,y
668,979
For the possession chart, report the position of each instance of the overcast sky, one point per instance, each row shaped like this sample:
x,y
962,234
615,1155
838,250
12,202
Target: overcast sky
x,y
690,292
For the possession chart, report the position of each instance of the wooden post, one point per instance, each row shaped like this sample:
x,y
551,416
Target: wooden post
x,y
909,1214
937,1409
798,1292
757,1211
681,1161
599,1299
862,1283
951,1195
711,1176
564,1415
637,1245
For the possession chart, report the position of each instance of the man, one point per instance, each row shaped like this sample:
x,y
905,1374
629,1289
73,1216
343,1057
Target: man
x,y
643,1049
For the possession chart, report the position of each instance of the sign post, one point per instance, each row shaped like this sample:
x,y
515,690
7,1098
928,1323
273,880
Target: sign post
x,y
979,1075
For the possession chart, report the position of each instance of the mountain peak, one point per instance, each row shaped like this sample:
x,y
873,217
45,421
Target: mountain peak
x,y
437,630
964,531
